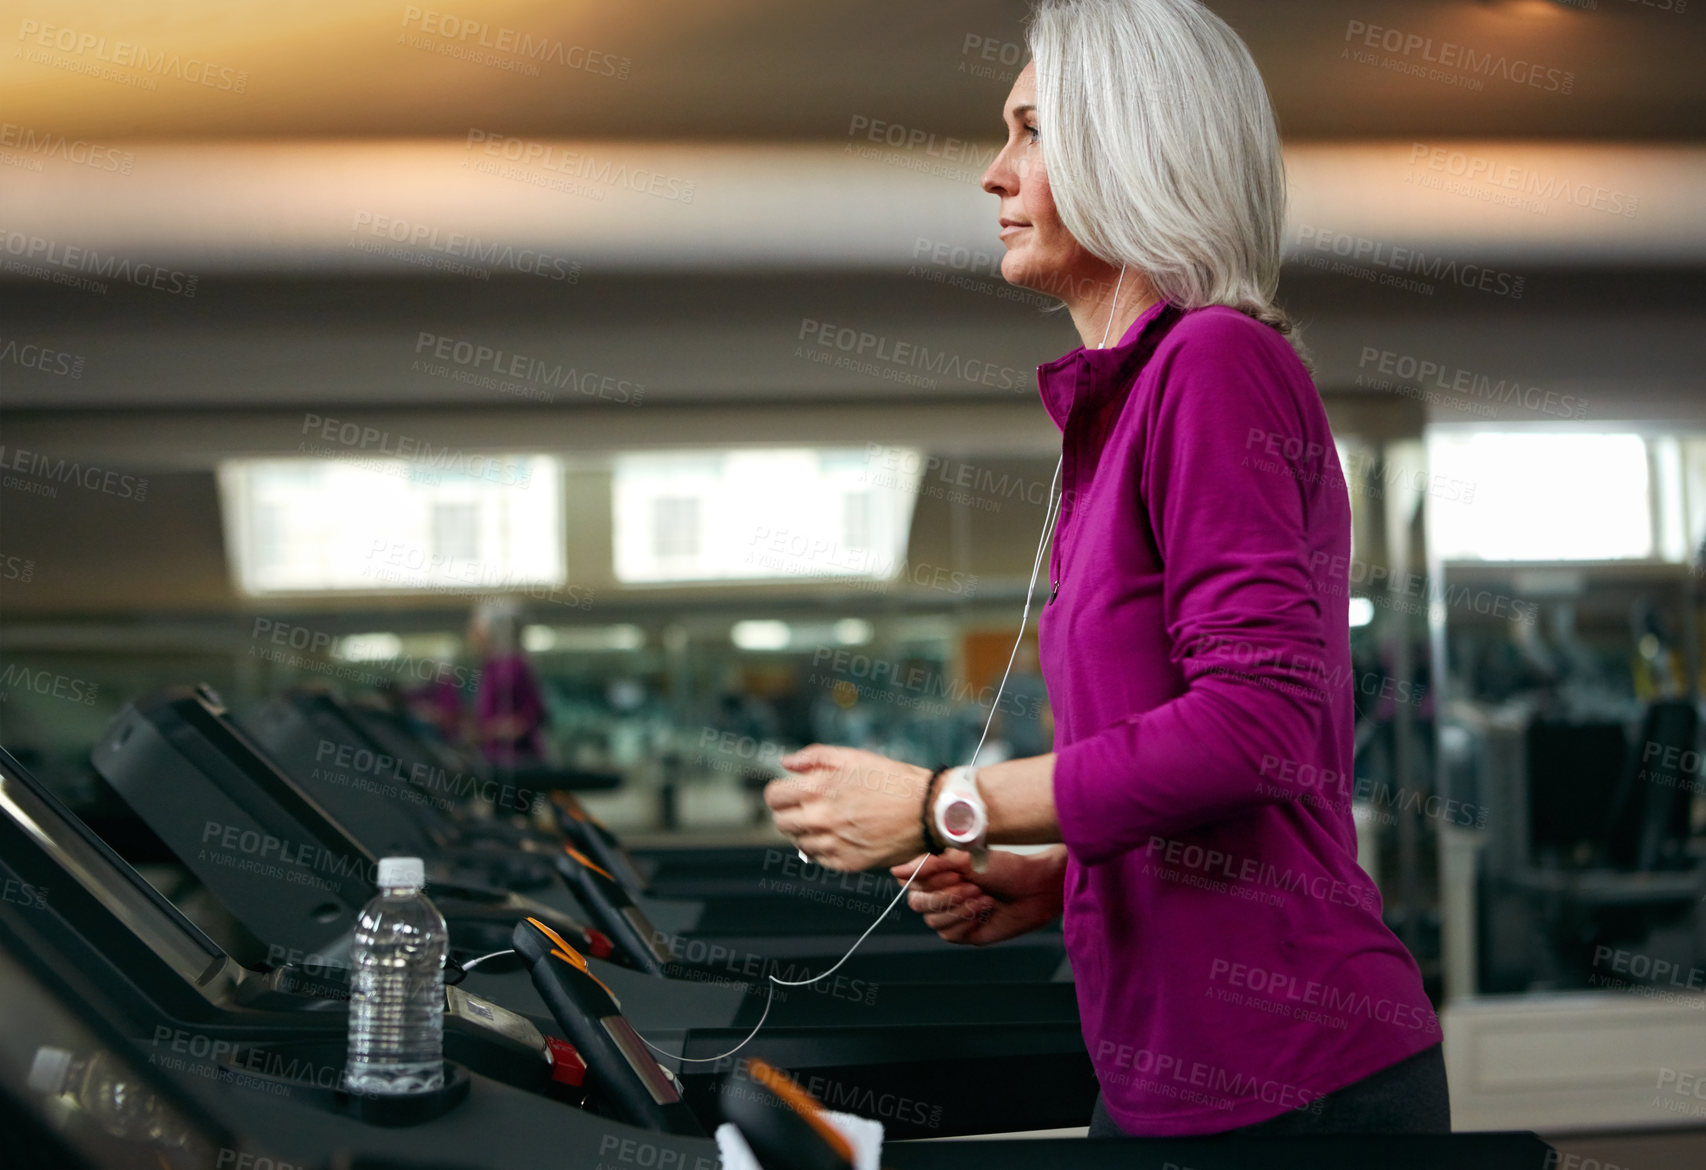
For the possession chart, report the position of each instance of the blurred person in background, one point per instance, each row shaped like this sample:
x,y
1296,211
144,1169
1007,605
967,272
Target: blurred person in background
x,y
509,710
438,708
1198,663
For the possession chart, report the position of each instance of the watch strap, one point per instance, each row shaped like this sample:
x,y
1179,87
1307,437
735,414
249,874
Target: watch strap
x,y
927,818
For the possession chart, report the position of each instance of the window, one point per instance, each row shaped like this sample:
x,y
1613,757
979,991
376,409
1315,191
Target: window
x,y
753,515
1543,496
856,519
456,531
392,525
675,528
272,551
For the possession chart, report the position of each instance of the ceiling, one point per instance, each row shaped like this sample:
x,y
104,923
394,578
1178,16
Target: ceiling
x,y
354,117
756,70
640,348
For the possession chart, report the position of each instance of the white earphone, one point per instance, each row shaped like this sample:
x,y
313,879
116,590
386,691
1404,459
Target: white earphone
x,y
1049,519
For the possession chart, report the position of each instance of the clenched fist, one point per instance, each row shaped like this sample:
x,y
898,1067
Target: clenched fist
x,y
848,809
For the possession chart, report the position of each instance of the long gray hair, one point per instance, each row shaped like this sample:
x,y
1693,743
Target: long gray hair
x,y
1162,149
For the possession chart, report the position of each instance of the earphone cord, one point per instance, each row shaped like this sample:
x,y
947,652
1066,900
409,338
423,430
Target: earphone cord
x,y
1030,592
1049,521
1113,309
1048,531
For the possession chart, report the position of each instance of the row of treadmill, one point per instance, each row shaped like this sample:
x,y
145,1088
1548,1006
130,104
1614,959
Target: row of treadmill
x,y
173,987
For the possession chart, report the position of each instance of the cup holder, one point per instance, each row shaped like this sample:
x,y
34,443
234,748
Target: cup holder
x,y
313,1071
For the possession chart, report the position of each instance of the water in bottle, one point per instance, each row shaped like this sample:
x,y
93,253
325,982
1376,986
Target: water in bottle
x,y
396,1003
99,1085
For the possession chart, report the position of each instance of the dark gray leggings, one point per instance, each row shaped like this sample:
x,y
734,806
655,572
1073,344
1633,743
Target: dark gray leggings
x,y
1407,1097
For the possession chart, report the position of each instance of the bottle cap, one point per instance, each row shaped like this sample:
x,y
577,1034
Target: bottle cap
x,y
402,871
47,1071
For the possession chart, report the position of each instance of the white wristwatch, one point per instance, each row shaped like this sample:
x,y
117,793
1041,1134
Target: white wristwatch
x,y
960,816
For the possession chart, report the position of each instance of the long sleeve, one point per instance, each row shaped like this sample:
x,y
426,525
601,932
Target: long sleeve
x,y
1197,653
1244,621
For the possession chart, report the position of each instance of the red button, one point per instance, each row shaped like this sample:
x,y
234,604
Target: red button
x,y
598,945
567,1067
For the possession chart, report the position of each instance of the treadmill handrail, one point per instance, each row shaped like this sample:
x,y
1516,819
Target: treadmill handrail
x,y
72,822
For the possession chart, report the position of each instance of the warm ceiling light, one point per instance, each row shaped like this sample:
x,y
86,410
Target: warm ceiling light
x,y
1540,8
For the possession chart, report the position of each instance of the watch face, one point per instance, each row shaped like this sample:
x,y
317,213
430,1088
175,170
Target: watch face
x,y
959,820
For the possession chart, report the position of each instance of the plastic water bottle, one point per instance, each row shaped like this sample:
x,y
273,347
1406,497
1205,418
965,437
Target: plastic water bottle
x,y
101,1088
396,1003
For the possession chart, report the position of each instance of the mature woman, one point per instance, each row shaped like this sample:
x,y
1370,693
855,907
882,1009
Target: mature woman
x,y
509,712
1233,971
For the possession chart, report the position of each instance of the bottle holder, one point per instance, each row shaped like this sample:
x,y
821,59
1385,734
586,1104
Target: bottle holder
x,y
408,1108
313,1072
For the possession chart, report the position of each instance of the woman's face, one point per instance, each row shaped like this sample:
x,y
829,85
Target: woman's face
x,y
1041,253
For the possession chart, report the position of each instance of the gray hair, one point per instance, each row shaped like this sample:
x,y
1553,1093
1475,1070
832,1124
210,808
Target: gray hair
x,y
500,617
1162,149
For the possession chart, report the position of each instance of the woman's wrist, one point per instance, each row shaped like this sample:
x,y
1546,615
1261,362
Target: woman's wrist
x,y
1019,797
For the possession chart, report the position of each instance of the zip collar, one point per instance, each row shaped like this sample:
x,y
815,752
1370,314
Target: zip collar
x,y
1088,374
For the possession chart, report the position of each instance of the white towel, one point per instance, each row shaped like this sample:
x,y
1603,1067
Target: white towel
x,y
863,1134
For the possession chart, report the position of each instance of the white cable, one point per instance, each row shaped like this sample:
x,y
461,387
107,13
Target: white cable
x,y
1024,621
472,963
775,983
1054,508
1113,309
860,939
1030,591
724,1056
1049,520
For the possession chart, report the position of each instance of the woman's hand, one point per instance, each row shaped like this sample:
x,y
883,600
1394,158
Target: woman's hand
x,y
849,809
1017,893
506,727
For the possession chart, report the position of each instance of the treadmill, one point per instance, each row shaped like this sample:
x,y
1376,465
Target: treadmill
x,y
198,783
98,966
390,800
692,872
267,1049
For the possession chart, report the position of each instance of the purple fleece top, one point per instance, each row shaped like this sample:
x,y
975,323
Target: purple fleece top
x,y
1229,953
508,690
